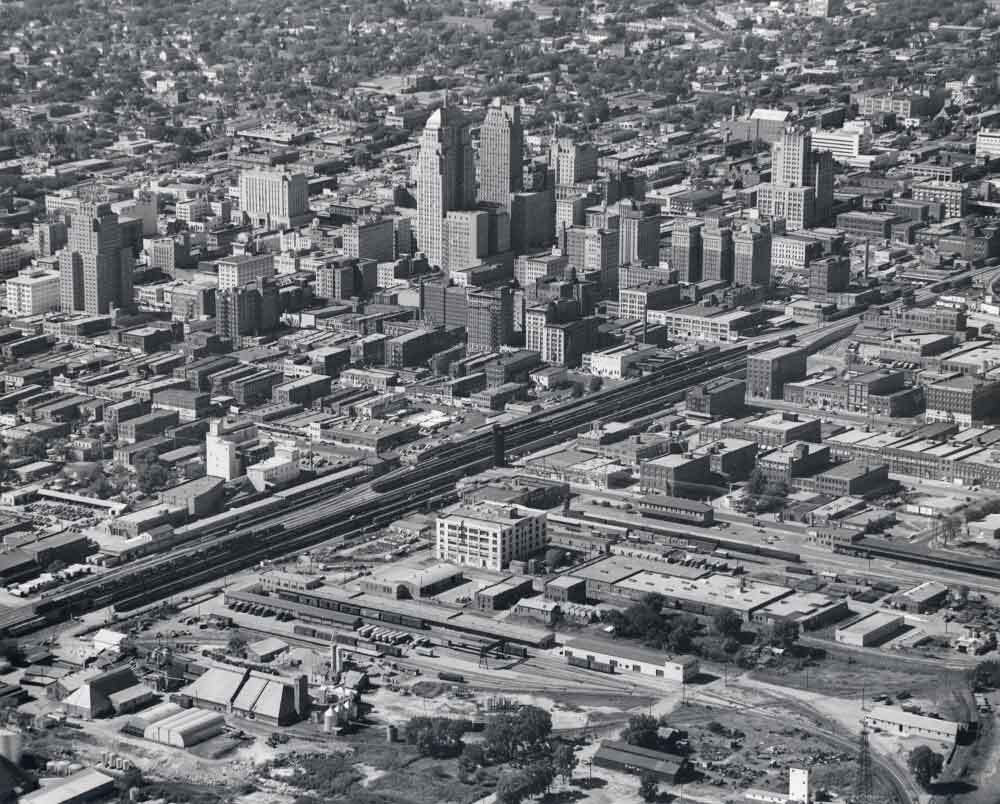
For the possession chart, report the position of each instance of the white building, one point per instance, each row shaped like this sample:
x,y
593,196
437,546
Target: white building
x,y
33,293
843,143
276,471
273,198
614,362
238,270
223,443
897,721
874,628
988,144
627,659
489,535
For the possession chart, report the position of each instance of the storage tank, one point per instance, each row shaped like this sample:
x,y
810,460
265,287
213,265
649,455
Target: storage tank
x,y
329,720
11,745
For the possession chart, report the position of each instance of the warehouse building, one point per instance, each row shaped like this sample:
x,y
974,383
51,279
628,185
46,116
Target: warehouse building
x,y
504,594
566,589
185,728
87,785
925,597
272,700
603,576
898,721
870,630
705,596
638,761
809,610
618,657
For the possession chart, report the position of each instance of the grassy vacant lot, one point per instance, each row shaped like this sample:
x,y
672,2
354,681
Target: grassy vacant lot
x,y
875,674
754,747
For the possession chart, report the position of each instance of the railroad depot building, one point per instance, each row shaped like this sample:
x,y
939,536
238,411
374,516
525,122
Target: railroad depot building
x,y
616,657
632,759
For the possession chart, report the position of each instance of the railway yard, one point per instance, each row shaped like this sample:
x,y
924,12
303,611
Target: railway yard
x,y
286,647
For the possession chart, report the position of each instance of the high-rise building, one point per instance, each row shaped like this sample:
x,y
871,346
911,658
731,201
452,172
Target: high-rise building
x,y
791,159
446,179
49,238
592,250
490,319
501,154
252,309
466,237
32,293
274,198
752,256
532,220
685,249
572,162
372,238
639,241
767,372
829,275
95,269
801,186
717,252
239,269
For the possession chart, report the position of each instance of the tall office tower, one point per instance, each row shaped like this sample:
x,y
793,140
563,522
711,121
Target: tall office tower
x,y
717,252
572,162
752,256
49,237
446,179
466,234
801,186
570,211
490,322
822,182
639,239
532,220
791,158
253,309
95,269
501,154
273,198
685,249
592,250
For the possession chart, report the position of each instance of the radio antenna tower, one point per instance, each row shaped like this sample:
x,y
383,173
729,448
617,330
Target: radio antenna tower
x,y
864,792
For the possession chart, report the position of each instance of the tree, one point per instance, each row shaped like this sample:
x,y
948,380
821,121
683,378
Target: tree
x,y
757,483
950,529
924,764
649,787
436,736
727,623
237,645
784,633
150,474
553,558
642,731
512,735
986,675
565,761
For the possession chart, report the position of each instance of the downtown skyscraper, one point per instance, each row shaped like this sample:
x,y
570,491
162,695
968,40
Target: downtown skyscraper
x,y
95,269
501,154
446,180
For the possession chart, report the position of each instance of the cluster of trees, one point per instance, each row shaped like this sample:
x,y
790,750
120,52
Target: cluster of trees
x,y
925,764
150,474
763,494
986,675
646,621
518,739
437,736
